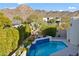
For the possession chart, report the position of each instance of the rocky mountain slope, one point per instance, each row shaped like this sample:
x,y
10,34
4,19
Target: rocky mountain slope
x,y
24,11
57,13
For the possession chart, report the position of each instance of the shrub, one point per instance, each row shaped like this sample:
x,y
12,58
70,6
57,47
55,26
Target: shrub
x,y
17,18
34,17
51,21
50,31
29,41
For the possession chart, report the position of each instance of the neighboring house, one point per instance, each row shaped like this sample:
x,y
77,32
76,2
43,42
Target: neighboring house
x,y
58,21
47,18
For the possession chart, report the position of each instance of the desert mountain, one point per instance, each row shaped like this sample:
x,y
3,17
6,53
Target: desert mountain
x,y
24,11
57,13
23,8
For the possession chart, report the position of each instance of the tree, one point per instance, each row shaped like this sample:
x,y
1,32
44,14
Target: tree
x,y
4,20
8,36
34,17
8,40
24,32
17,18
1,13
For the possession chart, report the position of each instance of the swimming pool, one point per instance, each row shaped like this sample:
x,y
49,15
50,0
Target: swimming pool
x,y
46,48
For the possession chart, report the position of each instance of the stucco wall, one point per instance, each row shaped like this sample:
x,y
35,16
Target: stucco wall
x,y
73,33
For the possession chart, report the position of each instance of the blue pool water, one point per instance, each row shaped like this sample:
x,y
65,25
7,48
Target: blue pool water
x,y
46,48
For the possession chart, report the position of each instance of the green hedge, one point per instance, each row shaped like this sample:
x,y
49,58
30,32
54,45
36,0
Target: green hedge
x,y
49,31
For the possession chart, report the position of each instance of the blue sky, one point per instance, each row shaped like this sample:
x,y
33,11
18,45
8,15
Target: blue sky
x,y
45,6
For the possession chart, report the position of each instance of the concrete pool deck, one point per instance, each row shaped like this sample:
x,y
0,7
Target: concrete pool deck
x,y
71,50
